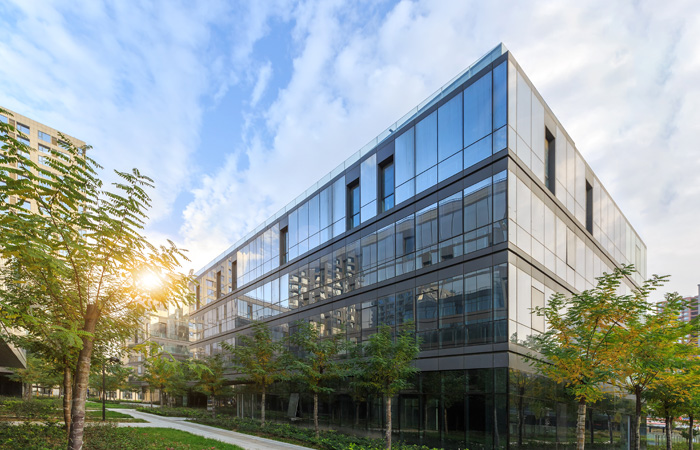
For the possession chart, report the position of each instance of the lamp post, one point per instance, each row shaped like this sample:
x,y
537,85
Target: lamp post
x,y
111,359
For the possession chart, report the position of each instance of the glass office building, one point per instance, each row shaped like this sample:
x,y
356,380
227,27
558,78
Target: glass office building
x,y
461,217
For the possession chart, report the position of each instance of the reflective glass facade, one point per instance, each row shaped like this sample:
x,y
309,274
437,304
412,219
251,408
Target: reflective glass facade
x,y
447,221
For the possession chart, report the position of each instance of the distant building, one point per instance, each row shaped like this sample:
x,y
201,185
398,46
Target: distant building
x,y
40,139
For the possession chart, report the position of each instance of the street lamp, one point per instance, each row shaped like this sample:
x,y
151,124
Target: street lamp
x,y
111,359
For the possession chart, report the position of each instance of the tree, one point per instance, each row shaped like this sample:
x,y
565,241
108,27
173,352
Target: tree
x,y
159,371
654,345
30,375
80,245
316,363
387,366
260,359
579,347
210,381
667,395
116,376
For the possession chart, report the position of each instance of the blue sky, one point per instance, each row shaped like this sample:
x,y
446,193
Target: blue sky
x,y
235,108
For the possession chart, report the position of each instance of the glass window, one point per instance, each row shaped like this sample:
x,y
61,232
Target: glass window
x,y
426,143
478,305
339,200
22,128
369,251
284,246
500,221
385,244
386,311
44,137
426,306
477,110
500,89
450,128
3,119
405,236
23,140
500,291
404,156
44,149
353,205
404,307
368,180
478,151
314,215
387,186
450,216
326,208
303,217
477,205
451,302
426,227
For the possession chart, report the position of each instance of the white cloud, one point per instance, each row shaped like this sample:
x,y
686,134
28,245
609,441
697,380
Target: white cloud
x,y
264,75
621,77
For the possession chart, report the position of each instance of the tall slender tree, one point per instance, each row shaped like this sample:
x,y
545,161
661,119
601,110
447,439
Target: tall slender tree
x,y
80,244
317,360
580,347
654,346
387,366
210,380
259,358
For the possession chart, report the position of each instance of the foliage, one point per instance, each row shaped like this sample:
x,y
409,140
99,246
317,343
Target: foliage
x,y
116,377
259,359
29,409
331,440
316,363
580,347
32,374
654,349
162,371
387,366
209,378
78,250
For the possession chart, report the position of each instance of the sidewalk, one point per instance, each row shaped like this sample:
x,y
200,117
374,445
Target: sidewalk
x,y
246,441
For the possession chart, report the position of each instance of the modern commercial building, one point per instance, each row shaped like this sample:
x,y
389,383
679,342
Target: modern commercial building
x,y
461,217
40,139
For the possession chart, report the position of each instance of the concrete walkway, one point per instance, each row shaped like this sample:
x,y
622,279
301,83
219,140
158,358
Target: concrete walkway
x,y
246,441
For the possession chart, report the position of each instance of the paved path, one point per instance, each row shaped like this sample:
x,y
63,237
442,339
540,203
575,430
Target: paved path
x,y
246,441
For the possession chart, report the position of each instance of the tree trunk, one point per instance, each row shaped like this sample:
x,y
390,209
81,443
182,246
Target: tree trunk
x,y
444,419
637,417
82,374
610,430
160,396
357,414
521,419
387,436
262,408
213,407
316,413
690,432
590,422
669,426
581,425
67,395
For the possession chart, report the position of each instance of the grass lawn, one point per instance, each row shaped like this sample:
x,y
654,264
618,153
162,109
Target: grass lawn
x,y
112,405
99,437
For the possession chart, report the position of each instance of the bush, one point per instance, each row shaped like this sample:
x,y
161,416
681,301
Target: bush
x,y
330,440
30,409
167,411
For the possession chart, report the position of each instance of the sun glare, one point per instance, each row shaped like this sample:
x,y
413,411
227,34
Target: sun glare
x,y
150,280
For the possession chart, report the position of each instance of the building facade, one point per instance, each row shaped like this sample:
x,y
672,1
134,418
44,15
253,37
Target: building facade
x,y
40,139
460,218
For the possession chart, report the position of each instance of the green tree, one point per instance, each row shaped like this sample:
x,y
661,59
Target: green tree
x,y
387,366
653,346
160,369
81,245
29,376
579,347
210,380
316,363
666,397
259,359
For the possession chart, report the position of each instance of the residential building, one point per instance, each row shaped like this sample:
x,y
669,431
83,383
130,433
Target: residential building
x,y
169,327
40,139
466,213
